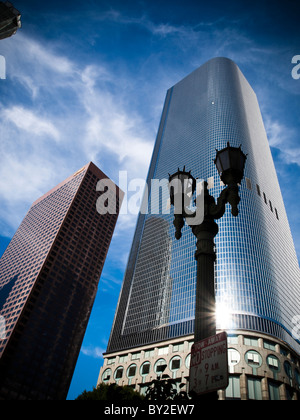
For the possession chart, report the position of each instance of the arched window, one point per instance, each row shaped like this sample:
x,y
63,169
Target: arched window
x,y
160,366
106,375
175,363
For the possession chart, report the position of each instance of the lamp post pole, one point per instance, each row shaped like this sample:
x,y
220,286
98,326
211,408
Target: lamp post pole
x,y
205,322
230,164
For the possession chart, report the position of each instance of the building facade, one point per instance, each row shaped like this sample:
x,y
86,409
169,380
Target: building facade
x,y
260,367
48,282
257,276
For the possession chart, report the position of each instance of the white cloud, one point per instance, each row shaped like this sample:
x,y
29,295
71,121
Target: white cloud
x,y
37,66
91,351
68,114
161,29
43,57
283,138
27,120
111,125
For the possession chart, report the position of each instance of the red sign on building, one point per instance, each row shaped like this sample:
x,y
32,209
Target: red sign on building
x,y
209,364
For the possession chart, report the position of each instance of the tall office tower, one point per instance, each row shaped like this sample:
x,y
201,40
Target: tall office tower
x,y
257,271
10,20
48,282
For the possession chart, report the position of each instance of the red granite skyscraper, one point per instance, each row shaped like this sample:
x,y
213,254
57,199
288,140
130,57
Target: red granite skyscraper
x,y
48,282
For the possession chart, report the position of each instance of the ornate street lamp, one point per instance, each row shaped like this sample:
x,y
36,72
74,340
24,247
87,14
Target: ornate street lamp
x,y
230,163
181,182
182,187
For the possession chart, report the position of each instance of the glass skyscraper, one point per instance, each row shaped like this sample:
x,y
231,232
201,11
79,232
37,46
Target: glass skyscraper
x,y
257,276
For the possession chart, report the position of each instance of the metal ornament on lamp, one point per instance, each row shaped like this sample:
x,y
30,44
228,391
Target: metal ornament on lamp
x,y
182,186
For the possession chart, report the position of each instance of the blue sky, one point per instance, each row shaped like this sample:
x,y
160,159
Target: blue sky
x,y
86,80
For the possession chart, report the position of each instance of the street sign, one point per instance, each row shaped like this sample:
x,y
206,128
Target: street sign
x,y
209,364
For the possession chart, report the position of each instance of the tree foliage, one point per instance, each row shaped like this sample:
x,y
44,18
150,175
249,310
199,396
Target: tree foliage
x,y
113,393
164,388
